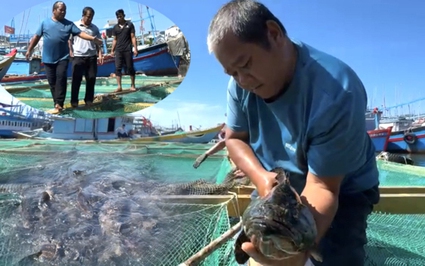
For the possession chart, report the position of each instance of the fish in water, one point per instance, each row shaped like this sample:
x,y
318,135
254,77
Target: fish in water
x,y
395,158
89,216
279,224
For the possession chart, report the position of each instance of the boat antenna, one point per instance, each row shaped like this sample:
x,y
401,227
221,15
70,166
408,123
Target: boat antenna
x,y
178,118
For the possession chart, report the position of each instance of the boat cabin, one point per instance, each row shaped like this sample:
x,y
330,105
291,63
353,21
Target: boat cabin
x,y
87,129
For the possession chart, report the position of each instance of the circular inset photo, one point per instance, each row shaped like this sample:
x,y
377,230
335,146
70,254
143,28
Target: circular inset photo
x,y
75,60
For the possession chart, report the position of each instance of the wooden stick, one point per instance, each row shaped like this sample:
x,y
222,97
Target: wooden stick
x,y
211,247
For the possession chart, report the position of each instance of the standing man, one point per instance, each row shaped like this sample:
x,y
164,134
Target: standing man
x,y
290,105
85,55
55,32
124,46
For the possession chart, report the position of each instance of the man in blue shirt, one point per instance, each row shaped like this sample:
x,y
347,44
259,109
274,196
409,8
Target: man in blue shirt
x,y
290,105
55,56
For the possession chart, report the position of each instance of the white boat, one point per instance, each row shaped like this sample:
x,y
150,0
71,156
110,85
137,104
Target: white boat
x,y
13,120
64,128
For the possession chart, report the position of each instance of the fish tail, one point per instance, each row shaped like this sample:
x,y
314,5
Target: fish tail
x,y
316,255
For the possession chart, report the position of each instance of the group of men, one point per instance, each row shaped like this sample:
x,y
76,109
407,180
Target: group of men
x,y
81,43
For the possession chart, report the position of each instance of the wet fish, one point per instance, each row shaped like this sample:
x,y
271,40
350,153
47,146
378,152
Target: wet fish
x,y
279,225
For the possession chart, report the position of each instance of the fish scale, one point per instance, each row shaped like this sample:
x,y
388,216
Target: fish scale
x,y
279,223
58,218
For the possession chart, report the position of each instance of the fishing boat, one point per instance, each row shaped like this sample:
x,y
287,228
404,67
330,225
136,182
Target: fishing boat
x,y
411,140
5,62
405,136
21,79
12,121
67,128
397,123
193,137
380,138
104,129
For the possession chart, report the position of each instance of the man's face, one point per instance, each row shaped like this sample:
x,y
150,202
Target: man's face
x,y
87,19
60,12
254,68
120,18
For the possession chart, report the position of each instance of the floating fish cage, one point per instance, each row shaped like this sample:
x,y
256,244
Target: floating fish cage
x,y
169,229
107,102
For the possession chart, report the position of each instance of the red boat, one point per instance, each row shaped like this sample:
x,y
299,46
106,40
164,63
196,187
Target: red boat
x,y
380,138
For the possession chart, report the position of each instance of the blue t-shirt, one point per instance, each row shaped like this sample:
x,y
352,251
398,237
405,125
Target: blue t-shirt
x,y
55,39
317,125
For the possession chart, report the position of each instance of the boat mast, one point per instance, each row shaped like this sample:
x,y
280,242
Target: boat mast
x,y
142,29
152,24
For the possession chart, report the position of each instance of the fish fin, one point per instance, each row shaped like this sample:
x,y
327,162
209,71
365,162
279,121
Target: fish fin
x,y
282,176
315,253
241,256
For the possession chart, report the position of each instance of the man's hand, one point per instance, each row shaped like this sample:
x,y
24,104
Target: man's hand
x,y
267,183
98,41
297,260
28,55
135,52
100,59
239,174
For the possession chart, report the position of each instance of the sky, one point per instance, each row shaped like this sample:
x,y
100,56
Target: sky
x,y
28,20
381,40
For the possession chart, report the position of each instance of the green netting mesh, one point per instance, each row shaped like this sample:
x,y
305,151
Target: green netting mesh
x,y
395,240
394,174
167,162
38,95
168,235
172,231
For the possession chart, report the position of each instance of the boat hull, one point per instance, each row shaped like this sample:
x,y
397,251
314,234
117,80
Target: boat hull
x,y
7,133
192,137
380,138
151,61
72,136
6,63
23,78
397,142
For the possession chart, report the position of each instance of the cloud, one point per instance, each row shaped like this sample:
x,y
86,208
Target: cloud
x,y
169,112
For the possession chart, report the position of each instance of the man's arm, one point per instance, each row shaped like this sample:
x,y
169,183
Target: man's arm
x,y
75,31
71,48
35,39
86,36
133,38
33,43
321,195
114,41
244,158
99,51
240,152
134,41
98,46
337,148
